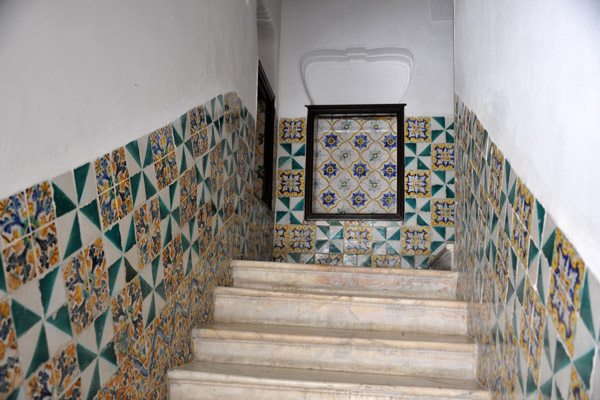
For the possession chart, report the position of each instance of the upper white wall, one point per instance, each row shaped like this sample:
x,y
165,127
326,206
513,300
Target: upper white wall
x,y
82,77
269,31
316,24
531,72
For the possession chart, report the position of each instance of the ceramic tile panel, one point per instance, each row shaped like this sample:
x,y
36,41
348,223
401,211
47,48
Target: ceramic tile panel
x,y
543,298
429,193
98,264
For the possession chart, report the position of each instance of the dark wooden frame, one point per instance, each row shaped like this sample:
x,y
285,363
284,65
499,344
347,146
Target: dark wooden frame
x,y
265,93
353,110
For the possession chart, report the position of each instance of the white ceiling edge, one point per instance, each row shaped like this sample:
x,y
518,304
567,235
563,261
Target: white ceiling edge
x,y
356,74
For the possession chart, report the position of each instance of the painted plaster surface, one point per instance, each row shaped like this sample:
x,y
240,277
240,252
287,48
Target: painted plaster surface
x,y
534,304
429,204
105,269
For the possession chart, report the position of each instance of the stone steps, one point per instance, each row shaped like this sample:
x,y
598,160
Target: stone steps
x,y
300,331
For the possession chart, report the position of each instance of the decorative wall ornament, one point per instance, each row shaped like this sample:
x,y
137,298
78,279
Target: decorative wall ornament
x,y
348,76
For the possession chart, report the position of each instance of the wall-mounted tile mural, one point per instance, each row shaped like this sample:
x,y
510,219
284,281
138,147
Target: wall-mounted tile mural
x,y
105,269
428,205
534,307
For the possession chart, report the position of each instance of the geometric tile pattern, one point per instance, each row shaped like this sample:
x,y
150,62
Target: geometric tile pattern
x,y
532,303
105,269
356,166
259,167
429,199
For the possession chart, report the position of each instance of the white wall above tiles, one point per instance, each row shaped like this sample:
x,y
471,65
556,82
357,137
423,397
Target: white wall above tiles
x,y
531,73
319,24
80,78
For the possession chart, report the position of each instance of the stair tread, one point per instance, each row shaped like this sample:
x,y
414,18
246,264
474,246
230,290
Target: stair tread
x,y
344,269
311,378
328,296
336,335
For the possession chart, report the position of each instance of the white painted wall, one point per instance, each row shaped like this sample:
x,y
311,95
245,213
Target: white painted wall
x,y
530,70
316,24
81,77
269,32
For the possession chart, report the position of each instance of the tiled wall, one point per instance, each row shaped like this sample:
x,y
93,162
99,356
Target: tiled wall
x,y
534,307
429,204
105,269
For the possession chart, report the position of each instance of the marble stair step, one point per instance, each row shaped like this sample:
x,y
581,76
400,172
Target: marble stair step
x,y
390,352
256,306
212,381
406,283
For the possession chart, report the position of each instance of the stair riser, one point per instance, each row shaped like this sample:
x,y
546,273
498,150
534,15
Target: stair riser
x,y
207,390
339,314
388,285
364,359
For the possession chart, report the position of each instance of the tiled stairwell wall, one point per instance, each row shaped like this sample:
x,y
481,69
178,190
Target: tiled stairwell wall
x,y
534,307
105,269
406,244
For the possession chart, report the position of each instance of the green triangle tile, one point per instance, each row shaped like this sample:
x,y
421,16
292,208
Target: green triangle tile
x,y
440,231
199,177
196,247
188,145
151,312
421,221
155,267
333,249
113,274
411,203
294,220
160,290
546,389
586,306
280,215
185,244
440,120
427,206
410,147
99,327
561,358
135,181
149,187
282,160
168,234
449,138
148,156
510,291
435,245
85,357
541,213
511,196
408,160
213,140
390,250
80,174
190,265
63,203
108,353
178,138
426,151
449,193
173,192
521,289
533,253
300,152
435,134
23,318
130,272
61,320
134,149
91,212
209,119
548,247
435,189
16,395
520,372
296,165
540,284
557,392
395,236
47,287
422,166
95,384
130,242
285,201
2,278
40,354
176,216
183,163
114,236
164,209
583,365
285,148
183,121
294,257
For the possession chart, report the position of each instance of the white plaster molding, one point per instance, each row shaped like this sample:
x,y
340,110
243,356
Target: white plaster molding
x,y
357,73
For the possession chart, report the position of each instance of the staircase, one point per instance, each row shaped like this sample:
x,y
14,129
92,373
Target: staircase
x,y
300,331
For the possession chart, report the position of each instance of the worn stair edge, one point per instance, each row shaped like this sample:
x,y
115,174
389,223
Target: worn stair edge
x,y
309,348
245,382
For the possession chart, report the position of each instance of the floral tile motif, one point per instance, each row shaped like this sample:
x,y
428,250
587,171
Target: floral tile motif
x,y
104,173
415,241
301,238
199,143
197,120
386,261
14,219
417,129
86,281
442,213
520,240
19,262
10,364
108,208
357,240
417,183
523,204
45,244
119,165
147,231
291,183
66,368
40,204
442,157
128,322
162,142
124,201
41,384
292,130
356,166
166,170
